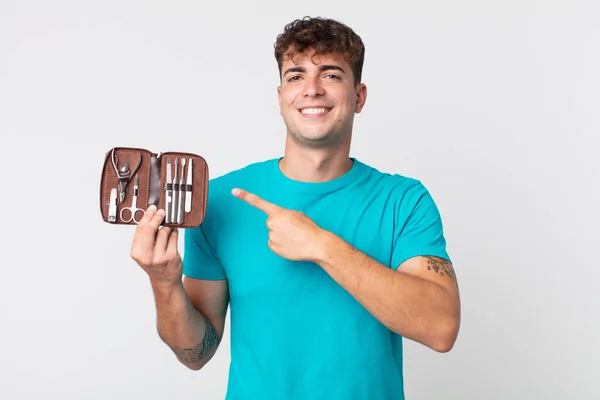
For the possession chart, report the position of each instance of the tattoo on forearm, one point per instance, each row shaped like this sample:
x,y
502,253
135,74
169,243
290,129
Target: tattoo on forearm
x,y
440,266
197,353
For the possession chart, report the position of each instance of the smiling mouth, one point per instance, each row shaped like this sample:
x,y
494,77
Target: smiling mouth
x,y
314,110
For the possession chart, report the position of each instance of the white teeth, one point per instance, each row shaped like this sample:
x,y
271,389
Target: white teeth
x,y
313,110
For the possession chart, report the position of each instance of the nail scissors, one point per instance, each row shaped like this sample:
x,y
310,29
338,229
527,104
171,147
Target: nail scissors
x,y
133,210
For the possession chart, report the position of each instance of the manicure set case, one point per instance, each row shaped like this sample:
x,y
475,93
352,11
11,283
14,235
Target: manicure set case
x,y
134,178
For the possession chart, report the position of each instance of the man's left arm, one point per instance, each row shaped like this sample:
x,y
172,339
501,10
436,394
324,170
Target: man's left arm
x,y
419,300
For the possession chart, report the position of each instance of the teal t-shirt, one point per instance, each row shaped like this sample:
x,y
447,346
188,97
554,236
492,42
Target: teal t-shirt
x,y
296,334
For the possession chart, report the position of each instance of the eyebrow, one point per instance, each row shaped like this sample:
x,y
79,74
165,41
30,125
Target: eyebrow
x,y
322,68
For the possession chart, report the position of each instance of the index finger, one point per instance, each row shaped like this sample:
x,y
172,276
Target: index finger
x,y
149,215
146,229
255,201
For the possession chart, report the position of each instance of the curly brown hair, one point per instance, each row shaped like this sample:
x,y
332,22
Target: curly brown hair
x,y
325,36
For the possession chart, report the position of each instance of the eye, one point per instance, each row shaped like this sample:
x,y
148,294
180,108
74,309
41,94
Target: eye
x,y
333,76
294,78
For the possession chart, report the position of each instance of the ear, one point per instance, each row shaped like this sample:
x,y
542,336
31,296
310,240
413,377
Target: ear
x,y
279,98
361,97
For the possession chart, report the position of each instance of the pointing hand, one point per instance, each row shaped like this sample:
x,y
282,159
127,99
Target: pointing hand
x,y
292,234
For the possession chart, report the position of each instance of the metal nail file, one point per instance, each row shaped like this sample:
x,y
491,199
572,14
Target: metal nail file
x,y
188,188
181,194
168,193
175,193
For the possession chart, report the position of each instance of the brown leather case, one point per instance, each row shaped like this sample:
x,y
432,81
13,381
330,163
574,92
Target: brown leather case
x,y
124,166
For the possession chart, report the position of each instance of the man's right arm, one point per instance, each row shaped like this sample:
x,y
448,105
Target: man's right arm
x,y
190,312
191,318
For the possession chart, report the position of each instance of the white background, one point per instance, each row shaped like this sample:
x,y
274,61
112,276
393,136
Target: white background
x,y
494,105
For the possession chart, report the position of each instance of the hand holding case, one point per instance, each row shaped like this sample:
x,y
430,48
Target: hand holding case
x,y
134,175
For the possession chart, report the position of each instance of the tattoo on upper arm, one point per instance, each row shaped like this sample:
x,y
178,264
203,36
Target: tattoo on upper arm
x,y
197,353
440,266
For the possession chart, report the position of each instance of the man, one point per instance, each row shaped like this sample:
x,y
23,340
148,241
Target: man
x,y
325,262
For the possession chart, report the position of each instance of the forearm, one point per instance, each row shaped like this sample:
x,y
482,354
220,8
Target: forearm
x,y
408,305
183,328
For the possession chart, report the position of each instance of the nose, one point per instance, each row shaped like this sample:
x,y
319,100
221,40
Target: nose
x,y
313,87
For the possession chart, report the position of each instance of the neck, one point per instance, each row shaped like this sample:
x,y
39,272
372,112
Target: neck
x,y
315,165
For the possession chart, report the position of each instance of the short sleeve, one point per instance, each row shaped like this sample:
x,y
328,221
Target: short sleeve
x,y
418,227
200,261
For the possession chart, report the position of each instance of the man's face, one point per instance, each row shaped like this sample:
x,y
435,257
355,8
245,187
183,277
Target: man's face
x,y
318,98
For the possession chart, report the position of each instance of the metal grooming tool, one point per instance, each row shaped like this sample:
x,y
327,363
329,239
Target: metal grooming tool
x,y
134,208
112,206
188,188
181,194
175,193
168,193
124,173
